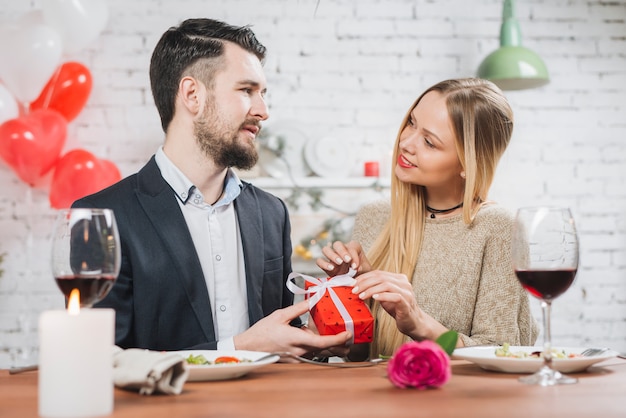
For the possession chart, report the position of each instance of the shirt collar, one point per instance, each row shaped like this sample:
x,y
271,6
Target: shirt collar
x,y
184,188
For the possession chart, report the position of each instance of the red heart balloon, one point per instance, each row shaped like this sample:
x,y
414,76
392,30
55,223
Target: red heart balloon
x,y
31,144
67,90
78,174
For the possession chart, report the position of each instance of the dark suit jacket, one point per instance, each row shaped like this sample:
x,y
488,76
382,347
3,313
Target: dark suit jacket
x,y
160,298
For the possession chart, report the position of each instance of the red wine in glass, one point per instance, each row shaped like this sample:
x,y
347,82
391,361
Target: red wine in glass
x,y
86,253
546,284
91,288
544,251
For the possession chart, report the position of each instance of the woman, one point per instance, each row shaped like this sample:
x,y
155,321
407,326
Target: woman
x,y
440,230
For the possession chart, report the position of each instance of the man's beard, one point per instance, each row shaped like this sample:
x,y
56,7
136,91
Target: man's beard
x,y
225,148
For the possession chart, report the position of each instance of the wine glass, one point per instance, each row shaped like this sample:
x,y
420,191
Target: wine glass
x,y
545,260
86,253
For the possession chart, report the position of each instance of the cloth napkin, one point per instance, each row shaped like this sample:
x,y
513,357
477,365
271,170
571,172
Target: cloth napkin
x,y
149,371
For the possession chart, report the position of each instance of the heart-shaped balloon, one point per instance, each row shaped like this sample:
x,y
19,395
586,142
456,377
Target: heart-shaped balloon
x,y
29,54
77,174
67,91
78,21
31,144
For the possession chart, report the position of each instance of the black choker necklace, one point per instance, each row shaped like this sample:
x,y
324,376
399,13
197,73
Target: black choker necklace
x,y
433,211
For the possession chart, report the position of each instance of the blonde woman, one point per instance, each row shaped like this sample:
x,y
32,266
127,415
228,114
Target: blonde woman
x,y
437,256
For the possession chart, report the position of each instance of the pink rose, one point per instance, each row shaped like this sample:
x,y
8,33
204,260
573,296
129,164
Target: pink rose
x,y
420,365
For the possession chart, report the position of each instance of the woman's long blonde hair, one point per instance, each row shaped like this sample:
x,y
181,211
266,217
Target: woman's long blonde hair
x,y
482,121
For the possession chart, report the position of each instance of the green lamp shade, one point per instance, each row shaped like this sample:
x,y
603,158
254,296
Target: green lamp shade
x,y
514,68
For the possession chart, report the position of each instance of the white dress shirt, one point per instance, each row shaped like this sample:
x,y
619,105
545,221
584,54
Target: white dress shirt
x,y
215,233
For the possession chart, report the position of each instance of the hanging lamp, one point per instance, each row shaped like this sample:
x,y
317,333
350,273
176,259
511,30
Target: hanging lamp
x,y
513,67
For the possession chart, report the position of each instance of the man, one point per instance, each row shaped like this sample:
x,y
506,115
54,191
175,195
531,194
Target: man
x,y
205,256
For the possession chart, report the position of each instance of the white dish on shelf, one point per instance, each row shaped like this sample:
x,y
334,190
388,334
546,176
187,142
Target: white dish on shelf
x,y
329,156
291,159
225,371
485,358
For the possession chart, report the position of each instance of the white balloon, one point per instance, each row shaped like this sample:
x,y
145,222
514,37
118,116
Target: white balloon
x,y
78,21
31,18
8,105
29,55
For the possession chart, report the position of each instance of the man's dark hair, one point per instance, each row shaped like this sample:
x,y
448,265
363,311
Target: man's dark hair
x,y
182,46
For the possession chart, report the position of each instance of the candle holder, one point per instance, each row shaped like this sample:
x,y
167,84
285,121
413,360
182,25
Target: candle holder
x,y
76,345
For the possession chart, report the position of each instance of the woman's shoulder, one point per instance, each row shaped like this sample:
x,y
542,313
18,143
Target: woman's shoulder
x,y
376,209
369,222
494,215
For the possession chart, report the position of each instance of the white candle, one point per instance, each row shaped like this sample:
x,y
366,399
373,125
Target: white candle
x,y
76,363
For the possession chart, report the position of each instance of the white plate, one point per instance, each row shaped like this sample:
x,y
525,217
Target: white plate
x,y
228,370
485,358
292,158
329,156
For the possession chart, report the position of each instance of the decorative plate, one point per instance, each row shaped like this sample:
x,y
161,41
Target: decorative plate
x,y
288,139
329,156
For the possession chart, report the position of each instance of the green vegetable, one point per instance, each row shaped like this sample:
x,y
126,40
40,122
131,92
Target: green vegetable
x,y
199,359
503,351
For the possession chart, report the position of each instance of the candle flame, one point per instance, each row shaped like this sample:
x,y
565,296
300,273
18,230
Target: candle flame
x,y
73,304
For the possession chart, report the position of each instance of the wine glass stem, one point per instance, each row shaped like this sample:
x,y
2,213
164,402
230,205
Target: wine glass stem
x,y
547,337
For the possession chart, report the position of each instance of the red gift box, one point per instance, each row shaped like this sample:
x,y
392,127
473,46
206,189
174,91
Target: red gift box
x,y
337,308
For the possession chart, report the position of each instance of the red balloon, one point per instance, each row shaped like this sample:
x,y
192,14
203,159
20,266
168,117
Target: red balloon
x,y
31,144
78,174
67,90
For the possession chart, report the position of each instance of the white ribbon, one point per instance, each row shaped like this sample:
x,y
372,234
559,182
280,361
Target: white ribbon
x,y
315,293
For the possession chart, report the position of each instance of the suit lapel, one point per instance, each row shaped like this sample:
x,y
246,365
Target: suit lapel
x,y
159,203
249,219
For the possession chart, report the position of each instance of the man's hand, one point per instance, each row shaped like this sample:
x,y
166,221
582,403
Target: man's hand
x,y
273,333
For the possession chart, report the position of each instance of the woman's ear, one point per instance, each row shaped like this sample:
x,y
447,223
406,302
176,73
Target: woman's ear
x,y
189,91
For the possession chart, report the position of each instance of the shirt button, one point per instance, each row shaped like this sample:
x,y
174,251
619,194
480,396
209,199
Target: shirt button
x,y
218,257
222,308
184,195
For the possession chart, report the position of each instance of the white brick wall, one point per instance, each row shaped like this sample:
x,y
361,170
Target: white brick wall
x,y
357,66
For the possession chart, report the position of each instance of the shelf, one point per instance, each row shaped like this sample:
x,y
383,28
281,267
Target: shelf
x,y
320,182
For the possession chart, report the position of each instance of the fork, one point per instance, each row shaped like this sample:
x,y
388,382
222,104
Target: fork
x,y
282,354
286,354
590,352
22,369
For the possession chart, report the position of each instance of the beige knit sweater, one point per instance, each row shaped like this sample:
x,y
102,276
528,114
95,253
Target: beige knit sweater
x,y
464,276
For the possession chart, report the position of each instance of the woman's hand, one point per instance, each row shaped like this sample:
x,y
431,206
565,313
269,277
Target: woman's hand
x,y
395,295
340,257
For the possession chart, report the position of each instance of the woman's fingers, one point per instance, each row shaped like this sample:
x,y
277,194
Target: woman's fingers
x,y
339,257
377,281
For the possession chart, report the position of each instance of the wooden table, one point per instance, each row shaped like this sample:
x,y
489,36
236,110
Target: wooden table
x,y
302,390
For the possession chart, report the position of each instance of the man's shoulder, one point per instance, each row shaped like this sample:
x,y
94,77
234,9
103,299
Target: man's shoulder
x,y
108,196
120,191
250,191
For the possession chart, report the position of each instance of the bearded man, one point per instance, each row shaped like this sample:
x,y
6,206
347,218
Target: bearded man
x,y
205,256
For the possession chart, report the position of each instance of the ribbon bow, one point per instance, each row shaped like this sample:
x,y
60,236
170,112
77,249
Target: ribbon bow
x,y
315,293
